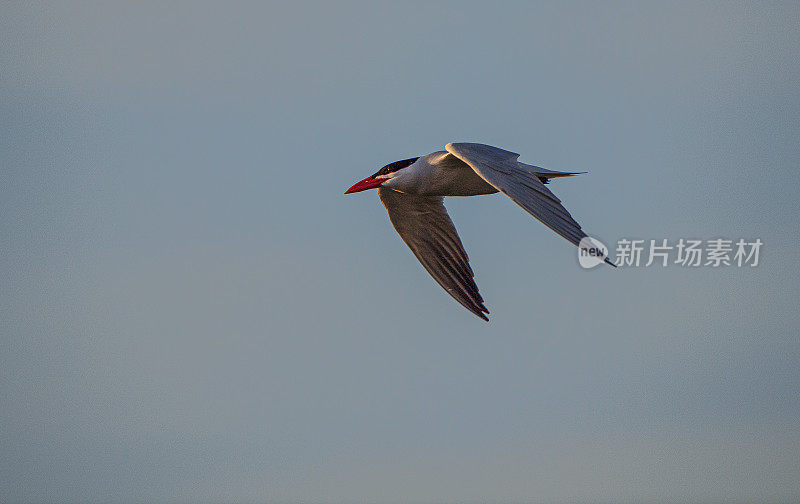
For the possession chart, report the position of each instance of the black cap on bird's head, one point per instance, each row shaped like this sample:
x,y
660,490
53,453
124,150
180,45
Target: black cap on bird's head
x,y
380,176
397,165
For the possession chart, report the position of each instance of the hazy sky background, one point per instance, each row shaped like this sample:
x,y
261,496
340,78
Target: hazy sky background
x,y
192,311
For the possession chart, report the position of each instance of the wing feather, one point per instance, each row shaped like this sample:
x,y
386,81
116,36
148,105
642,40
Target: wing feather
x,y
501,169
423,224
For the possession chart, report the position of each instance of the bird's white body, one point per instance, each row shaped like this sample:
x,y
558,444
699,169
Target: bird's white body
x,y
413,190
439,174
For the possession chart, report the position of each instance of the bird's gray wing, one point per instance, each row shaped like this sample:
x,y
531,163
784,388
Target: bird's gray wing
x,y
422,222
519,182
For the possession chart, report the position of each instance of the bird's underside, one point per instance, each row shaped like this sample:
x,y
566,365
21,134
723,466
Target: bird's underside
x,y
413,197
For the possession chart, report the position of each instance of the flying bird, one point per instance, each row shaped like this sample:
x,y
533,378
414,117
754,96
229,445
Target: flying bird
x,y
413,190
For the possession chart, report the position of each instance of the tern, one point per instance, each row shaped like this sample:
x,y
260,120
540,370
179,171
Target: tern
x,y
413,190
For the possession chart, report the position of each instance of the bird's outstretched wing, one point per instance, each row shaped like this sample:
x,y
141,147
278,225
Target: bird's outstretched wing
x,y
519,182
422,222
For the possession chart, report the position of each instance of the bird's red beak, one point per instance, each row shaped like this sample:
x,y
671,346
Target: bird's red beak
x,y
367,183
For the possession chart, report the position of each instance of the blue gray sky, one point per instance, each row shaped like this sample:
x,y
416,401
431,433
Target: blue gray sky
x,y
191,310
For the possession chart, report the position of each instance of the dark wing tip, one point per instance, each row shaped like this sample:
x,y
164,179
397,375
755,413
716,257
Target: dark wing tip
x,y
481,311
